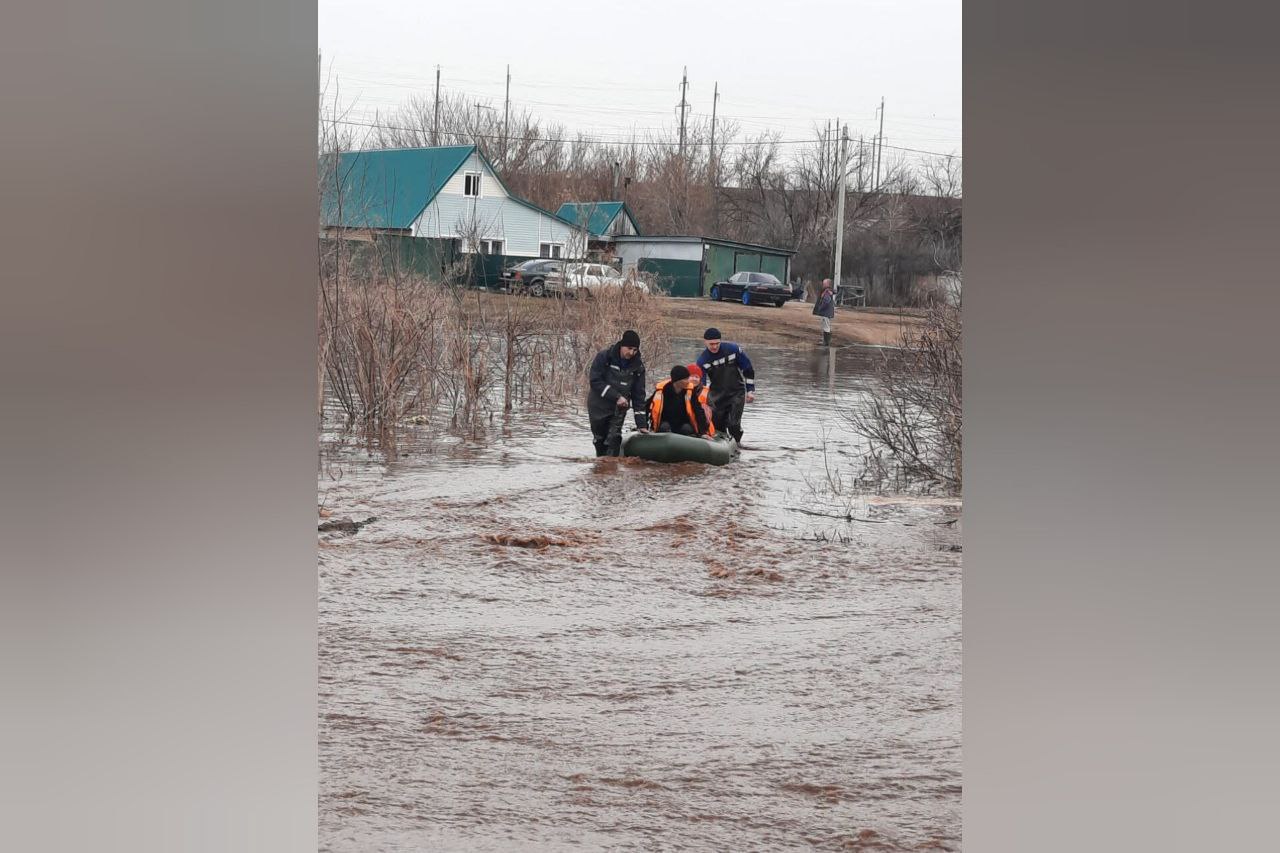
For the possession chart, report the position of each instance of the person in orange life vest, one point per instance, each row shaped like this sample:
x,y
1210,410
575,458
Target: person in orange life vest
x,y
679,405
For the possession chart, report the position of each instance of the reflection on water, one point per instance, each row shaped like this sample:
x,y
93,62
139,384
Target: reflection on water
x,y
535,650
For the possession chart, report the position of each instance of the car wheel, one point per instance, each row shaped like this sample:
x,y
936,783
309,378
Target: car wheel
x,y
537,288
715,294
779,303
746,297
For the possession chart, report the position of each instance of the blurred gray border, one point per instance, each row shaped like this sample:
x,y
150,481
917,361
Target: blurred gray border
x,y
1120,580
157,341
157,338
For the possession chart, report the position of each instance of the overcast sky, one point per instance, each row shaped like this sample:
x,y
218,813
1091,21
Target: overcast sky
x,y
607,68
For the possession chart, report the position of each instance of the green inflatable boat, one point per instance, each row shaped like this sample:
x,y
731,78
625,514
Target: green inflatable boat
x,y
672,447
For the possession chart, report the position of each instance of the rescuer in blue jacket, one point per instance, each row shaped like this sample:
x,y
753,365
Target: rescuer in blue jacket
x,y
732,379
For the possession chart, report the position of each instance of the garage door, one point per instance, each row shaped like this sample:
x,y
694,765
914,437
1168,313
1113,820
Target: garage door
x,y
775,266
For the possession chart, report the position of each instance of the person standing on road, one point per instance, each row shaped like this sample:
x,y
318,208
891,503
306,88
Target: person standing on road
x,y
732,380
825,307
617,379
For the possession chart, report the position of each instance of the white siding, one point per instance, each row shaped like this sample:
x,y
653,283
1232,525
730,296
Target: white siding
x,y
489,186
496,216
521,228
631,252
620,226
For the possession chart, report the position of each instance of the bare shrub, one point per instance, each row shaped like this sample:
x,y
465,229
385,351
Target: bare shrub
x,y
914,420
378,343
395,346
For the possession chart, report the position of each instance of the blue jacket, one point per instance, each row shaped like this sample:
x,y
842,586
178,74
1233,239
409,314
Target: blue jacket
x,y
825,306
728,371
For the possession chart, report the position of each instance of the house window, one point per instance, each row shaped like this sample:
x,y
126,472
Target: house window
x,y
550,250
471,184
491,247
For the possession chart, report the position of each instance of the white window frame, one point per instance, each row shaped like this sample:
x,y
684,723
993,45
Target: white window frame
x,y
468,183
554,251
491,247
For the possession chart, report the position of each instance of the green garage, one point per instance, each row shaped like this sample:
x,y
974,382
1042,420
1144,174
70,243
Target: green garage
x,y
689,266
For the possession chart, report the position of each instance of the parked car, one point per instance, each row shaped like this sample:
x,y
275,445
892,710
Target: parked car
x,y
531,276
584,278
751,288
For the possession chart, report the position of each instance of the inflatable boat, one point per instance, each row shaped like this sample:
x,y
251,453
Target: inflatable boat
x,y
672,447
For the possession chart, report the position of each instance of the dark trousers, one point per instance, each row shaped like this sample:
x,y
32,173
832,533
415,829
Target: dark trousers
x,y
606,432
726,411
682,429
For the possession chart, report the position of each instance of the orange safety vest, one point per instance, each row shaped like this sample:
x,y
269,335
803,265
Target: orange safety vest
x,y
655,408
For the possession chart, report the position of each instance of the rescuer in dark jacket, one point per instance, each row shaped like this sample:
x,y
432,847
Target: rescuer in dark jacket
x,y
680,405
617,382
731,378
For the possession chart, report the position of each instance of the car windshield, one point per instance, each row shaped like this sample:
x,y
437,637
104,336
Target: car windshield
x,y
763,278
529,265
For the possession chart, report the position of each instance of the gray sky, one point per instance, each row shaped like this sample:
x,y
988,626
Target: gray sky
x,y
606,68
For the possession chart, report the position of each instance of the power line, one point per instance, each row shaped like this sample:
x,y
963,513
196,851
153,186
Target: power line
x,y
395,81
633,141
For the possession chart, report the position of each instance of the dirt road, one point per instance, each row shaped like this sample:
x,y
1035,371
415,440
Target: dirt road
x,y
791,324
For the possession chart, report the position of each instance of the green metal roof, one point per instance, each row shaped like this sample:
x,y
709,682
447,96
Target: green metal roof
x,y
597,214
389,188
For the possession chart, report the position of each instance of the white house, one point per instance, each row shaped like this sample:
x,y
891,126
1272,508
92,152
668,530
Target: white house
x,y
449,192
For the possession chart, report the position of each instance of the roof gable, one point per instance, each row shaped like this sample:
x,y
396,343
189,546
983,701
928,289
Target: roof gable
x,y
595,216
388,188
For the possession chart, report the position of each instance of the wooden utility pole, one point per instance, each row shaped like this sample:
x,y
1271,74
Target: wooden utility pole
x,y
435,125
506,118
479,107
713,163
880,144
715,99
862,160
844,168
684,85
825,148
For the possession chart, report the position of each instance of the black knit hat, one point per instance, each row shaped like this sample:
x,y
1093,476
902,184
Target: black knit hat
x,y
630,339
679,372
712,334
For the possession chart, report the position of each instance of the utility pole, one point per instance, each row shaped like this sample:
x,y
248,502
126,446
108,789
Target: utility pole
x,y
714,164
684,85
844,168
826,155
715,99
435,125
506,118
862,159
479,107
880,144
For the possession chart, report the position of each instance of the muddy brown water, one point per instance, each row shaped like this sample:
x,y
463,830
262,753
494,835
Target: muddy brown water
x,y
534,650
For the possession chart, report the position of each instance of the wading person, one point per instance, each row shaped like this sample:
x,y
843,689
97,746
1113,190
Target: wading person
x,y
825,307
617,379
731,378
680,404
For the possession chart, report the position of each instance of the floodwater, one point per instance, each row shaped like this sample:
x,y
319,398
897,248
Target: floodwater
x,y
532,650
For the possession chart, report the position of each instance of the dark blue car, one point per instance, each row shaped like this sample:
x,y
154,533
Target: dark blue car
x,y
752,288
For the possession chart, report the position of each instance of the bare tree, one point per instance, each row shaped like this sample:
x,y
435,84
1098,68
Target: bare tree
x,y
914,421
